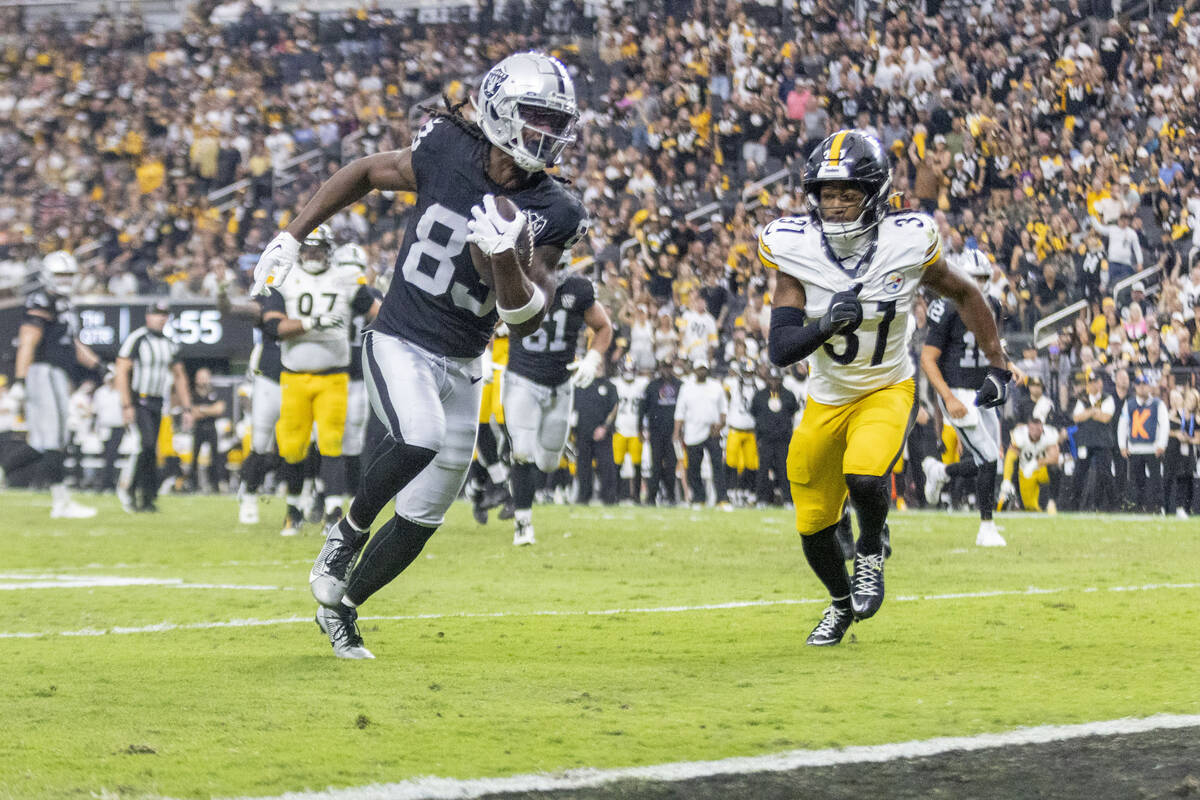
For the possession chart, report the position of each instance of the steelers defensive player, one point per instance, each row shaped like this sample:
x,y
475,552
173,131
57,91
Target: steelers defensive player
x,y
422,355
955,367
538,392
311,316
627,439
48,348
847,275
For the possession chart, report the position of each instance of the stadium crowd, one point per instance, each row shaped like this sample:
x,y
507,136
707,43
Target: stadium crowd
x,y
1066,152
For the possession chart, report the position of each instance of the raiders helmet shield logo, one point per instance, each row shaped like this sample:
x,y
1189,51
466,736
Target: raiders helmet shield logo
x,y
537,222
491,84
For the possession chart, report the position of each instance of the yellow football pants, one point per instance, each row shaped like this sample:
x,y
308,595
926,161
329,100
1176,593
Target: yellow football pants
x,y
741,450
305,399
864,437
627,444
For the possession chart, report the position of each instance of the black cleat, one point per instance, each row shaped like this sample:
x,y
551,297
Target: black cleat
x,y
479,513
866,587
831,628
293,518
508,510
340,624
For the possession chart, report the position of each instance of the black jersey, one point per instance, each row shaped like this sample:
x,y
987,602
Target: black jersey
x,y
543,357
269,363
962,363
57,346
436,299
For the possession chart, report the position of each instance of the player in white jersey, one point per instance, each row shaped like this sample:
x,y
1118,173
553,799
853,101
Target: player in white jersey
x,y
848,273
311,317
627,438
741,446
1034,447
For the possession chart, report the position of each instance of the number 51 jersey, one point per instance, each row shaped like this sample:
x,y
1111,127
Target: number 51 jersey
x,y
436,299
849,366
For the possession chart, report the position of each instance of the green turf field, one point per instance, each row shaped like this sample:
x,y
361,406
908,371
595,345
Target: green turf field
x,y
624,637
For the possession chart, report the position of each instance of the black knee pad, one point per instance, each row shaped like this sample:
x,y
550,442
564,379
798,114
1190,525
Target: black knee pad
x,y
861,486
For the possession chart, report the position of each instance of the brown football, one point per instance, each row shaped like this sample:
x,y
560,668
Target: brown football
x,y
483,264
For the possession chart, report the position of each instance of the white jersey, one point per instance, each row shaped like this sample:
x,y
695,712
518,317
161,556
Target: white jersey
x,y
741,393
306,296
848,367
629,400
799,390
1031,451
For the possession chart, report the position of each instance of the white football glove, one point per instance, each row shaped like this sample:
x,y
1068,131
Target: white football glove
x,y
491,232
322,322
17,393
1007,490
585,370
275,262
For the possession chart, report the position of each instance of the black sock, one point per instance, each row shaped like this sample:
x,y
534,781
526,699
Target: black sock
x,y
393,465
254,469
869,494
486,445
53,470
963,469
354,471
388,553
333,474
20,456
824,555
985,490
637,483
292,476
521,480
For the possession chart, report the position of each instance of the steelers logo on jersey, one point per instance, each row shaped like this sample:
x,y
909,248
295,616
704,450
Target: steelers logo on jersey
x,y
893,282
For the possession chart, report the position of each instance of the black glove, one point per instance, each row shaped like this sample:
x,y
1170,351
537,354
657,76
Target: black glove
x,y
844,314
994,390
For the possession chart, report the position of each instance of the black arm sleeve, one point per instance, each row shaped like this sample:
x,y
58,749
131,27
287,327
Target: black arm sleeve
x,y
791,340
271,327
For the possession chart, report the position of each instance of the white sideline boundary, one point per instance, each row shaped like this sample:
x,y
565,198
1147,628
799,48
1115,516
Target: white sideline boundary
x,y
432,788
16,582
164,627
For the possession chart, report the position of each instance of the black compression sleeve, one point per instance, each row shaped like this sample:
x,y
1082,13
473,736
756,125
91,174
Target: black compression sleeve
x,y
791,340
271,327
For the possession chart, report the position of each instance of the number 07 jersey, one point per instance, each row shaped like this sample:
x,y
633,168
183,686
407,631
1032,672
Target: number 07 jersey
x,y
849,366
436,299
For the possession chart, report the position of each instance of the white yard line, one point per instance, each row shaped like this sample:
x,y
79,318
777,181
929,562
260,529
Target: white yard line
x,y
162,627
451,789
11,583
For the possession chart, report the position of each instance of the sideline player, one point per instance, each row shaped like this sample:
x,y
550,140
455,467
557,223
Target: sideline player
x,y
952,361
264,371
48,348
312,316
847,275
631,391
1034,446
422,353
741,446
538,389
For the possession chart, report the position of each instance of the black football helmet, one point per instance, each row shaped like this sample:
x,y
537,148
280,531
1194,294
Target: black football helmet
x,y
854,157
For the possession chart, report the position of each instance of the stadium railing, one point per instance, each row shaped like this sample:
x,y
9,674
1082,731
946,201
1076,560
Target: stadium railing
x,y
1045,330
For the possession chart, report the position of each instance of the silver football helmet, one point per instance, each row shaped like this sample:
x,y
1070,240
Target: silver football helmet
x,y
976,264
526,107
350,255
315,249
60,272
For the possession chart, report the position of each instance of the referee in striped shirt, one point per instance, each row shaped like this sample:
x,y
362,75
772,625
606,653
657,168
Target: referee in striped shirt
x,y
147,363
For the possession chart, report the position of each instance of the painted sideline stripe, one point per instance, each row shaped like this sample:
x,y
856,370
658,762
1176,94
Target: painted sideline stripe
x,y
106,581
451,789
162,627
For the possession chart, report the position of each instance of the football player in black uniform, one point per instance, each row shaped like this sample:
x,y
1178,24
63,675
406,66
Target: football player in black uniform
x,y
539,387
955,366
265,369
48,348
422,355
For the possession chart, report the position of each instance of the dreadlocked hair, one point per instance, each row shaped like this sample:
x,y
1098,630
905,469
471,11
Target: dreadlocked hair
x,y
452,112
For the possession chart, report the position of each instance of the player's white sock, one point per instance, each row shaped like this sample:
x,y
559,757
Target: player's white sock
x,y
293,500
498,472
334,501
523,516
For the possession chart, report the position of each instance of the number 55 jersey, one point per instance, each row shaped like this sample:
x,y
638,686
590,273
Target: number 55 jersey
x,y
875,355
436,299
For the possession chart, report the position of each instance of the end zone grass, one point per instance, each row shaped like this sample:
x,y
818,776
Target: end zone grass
x,y
599,646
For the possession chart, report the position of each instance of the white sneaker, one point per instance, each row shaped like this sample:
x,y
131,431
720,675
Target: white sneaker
x,y
1181,513
71,510
523,535
988,536
126,498
726,506
935,479
248,509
